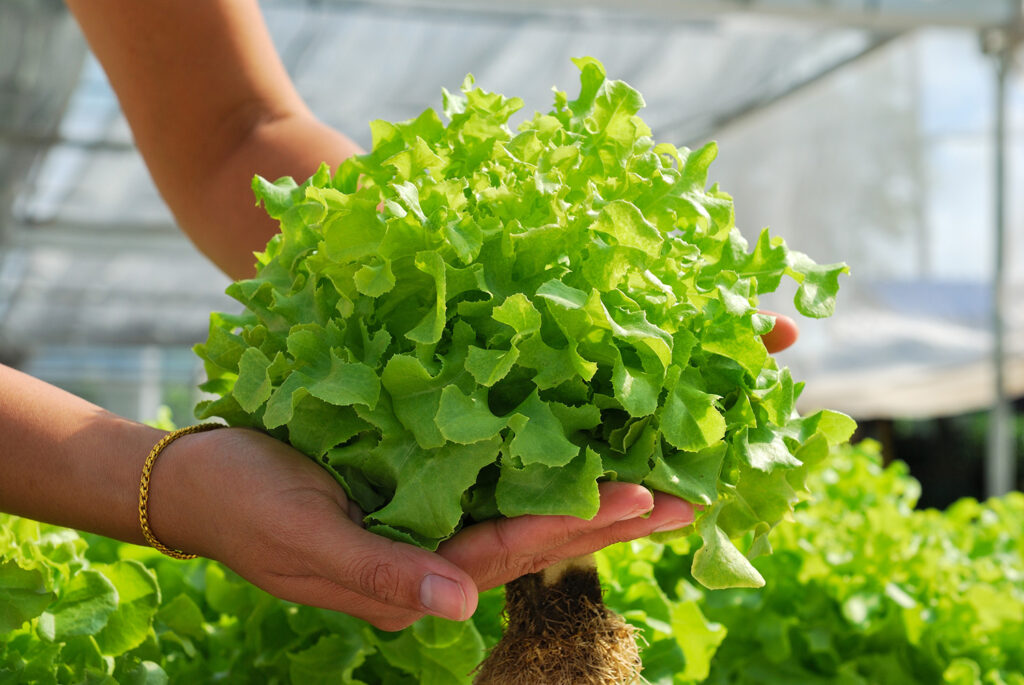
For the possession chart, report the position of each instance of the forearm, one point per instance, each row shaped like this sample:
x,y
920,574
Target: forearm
x,y
66,461
220,215
210,105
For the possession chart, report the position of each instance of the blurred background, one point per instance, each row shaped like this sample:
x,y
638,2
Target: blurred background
x,y
882,133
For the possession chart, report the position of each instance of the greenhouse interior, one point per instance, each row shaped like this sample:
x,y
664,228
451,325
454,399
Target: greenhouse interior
x,y
886,135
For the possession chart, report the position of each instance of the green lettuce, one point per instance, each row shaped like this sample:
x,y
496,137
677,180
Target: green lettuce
x,y
470,322
865,588
66,618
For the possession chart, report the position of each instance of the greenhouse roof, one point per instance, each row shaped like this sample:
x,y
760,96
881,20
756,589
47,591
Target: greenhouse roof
x,y
837,125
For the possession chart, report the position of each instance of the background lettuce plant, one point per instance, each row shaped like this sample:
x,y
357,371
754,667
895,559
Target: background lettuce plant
x,y
469,322
864,589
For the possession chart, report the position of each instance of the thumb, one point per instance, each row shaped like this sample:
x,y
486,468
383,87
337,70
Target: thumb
x,y
397,574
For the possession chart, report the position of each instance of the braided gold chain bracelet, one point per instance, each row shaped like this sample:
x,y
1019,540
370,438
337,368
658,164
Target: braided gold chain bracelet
x,y
147,471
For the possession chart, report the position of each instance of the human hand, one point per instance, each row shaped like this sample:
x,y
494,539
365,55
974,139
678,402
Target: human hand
x,y
281,521
782,335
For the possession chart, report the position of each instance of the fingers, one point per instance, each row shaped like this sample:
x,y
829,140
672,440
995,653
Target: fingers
x,y
305,544
782,335
396,574
495,552
332,562
669,513
317,591
340,566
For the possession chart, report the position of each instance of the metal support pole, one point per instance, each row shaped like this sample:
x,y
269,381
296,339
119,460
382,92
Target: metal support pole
x,y
1000,459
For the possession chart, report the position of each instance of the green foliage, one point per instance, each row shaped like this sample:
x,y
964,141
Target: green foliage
x,y
469,322
66,618
865,590
862,589
77,608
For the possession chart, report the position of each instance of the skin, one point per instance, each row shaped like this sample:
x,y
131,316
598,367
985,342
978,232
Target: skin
x,y
210,104
782,335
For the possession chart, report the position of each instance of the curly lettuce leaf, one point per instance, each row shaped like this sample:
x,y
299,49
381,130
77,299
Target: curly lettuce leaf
x,y
472,320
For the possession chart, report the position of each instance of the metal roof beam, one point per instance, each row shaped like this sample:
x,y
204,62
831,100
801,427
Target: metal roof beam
x,y
90,237
747,110
879,15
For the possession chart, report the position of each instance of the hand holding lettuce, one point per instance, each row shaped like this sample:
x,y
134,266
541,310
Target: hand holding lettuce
x,y
469,324
280,521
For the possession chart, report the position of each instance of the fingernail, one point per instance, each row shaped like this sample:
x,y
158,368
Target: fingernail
x,y
443,597
671,525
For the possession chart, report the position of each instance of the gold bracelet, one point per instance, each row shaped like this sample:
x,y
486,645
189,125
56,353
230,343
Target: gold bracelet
x,y
147,471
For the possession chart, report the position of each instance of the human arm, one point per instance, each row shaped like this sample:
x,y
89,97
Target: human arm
x,y
271,513
210,105
66,461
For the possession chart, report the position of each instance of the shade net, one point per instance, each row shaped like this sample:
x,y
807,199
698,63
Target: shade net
x,y
855,145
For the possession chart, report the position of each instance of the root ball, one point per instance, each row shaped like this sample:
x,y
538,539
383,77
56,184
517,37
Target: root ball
x,y
559,632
